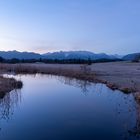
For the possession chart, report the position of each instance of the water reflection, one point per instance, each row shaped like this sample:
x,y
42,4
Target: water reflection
x,y
8,103
125,109
83,85
135,131
99,88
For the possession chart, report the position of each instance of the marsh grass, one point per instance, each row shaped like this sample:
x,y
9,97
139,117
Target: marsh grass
x,y
8,84
81,72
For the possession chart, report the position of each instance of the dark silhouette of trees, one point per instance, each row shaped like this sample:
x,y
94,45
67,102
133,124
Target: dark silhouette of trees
x,y
136,59
56,61
1,59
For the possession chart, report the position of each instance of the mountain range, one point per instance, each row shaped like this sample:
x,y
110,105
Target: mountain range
x,y
56,55
19,55
77,55
64,55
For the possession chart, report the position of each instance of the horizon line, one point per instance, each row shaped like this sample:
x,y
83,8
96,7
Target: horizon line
x,y
63,51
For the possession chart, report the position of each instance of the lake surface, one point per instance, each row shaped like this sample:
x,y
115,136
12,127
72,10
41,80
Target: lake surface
x,y
59,108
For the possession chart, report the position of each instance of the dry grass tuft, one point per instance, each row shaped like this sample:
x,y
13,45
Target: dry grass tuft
x,y
8,84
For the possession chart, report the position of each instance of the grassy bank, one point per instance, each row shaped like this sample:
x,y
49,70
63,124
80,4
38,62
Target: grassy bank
x,y
114,75
83,72
8,84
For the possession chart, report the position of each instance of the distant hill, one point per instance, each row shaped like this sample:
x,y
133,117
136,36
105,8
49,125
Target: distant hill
x,y
57,55
19,55
131,57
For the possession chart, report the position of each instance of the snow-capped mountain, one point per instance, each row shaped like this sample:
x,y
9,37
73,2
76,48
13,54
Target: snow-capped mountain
x,y
77,55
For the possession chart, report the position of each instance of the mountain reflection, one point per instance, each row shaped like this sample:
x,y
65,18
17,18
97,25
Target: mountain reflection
x,y
8,103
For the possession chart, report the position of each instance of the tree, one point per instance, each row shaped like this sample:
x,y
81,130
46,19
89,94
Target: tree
x,y
1,59
14,60
89,61
136,59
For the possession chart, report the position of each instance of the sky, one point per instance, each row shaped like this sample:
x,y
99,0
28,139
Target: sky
x,y
109,26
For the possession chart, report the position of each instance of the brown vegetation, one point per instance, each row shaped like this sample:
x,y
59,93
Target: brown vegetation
x,y
8,84
83,73
124,76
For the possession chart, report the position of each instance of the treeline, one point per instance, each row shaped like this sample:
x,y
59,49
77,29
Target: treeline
x,y
56,61
136,59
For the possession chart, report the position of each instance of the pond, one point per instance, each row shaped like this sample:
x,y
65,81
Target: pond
x,y
59,108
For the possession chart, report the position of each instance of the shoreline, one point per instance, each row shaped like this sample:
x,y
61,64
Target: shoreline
x,y
123,76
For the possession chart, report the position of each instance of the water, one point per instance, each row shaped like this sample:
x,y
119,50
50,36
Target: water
x,y
59,108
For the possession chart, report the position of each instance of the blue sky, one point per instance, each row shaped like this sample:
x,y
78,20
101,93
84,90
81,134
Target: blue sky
x,y
110,26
